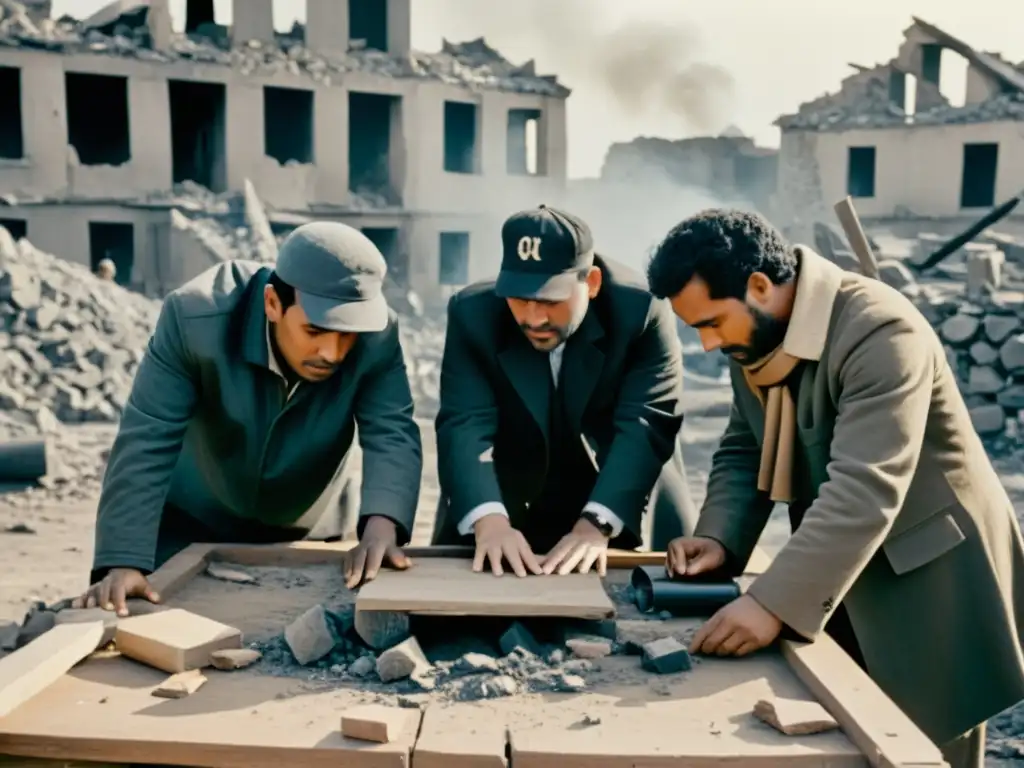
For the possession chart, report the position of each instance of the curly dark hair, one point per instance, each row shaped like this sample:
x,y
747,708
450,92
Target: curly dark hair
x,y
724,248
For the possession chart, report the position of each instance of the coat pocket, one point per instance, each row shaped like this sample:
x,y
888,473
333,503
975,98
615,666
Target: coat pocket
x,y
924,542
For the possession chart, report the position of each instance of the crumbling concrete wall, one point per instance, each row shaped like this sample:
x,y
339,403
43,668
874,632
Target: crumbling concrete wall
x,y
492,190
801,198
918,169
727,166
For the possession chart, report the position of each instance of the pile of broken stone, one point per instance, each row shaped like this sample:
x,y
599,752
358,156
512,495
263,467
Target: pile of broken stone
x,y
553,656
982,331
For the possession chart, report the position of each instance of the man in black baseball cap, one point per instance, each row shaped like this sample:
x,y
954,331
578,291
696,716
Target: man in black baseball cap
x,y
561,388
240,423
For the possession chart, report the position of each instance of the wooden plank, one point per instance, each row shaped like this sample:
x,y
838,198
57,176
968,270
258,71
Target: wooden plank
x,y
104,711
886,736
36,666
460,736
449,587
299,553
174,640
700,719
847,215
180,569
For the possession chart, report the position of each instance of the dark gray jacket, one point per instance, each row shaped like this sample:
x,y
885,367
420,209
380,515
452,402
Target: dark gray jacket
x,y
208,428
624,370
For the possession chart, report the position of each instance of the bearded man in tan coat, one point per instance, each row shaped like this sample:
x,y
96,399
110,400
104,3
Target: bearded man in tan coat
x,y
905,547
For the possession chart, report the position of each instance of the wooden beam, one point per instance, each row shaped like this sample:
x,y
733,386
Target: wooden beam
x,y
36,666
180,569
300,553
855,234
871,720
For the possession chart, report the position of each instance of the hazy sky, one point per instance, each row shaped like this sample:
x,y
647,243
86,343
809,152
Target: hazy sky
x,y
677,68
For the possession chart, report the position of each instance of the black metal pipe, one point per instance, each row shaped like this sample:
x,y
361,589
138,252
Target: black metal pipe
x,y
968,234
22,460
654,591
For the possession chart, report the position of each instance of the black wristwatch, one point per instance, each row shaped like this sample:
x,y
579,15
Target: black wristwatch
x,y
606,528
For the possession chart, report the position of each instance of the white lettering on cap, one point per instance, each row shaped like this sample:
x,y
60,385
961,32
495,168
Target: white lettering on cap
x,y
529,248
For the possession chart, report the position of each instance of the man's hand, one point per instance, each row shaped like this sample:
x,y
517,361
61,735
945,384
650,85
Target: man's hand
x,y
690,556
112,593
497,540
741,627
580,549
377,546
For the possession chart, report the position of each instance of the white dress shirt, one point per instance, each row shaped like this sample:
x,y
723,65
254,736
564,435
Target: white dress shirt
x,y
498,508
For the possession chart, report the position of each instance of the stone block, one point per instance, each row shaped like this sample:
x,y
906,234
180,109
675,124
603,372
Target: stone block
x,y
310,637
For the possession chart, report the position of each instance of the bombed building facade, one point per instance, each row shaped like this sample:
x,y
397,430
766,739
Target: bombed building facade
x,y
106,124
890,139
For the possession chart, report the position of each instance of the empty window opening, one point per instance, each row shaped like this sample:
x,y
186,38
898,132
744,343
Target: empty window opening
x,y
198,13
453,265
17,227
12,136
370,117
978,188
521,146
368,22
860,176
460,145
910,97
898,88
288,124
388,243
946,71
931,63
98,124
197,133
114,241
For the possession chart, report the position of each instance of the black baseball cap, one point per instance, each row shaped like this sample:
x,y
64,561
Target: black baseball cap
x,y
338,276
543,252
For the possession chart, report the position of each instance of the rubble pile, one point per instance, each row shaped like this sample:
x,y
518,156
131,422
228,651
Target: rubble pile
x,y
473,658
71,341
878,112
472,64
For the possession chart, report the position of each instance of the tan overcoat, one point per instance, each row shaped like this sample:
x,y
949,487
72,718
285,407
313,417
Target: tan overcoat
x,y
909,527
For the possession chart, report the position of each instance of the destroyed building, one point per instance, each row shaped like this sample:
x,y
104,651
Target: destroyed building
x,y
107,124
891,140
730,166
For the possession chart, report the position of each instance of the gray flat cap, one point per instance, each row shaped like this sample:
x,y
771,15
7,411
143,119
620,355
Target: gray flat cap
x,y
338,275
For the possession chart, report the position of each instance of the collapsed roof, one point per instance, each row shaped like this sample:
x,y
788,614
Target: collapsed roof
x,y
120,29
875,97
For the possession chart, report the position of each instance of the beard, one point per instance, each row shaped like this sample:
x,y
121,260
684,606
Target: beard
x,y
767,334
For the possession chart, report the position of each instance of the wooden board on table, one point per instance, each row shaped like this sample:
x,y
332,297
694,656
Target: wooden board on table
x,y
104,710
449,587
702,719
460,736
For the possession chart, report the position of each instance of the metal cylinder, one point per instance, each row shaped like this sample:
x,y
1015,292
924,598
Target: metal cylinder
x,y
654,590
22,460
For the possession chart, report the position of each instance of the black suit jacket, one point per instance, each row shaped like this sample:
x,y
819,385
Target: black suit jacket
x,y
623,378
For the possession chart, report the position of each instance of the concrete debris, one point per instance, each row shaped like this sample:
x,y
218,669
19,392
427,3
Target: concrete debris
x,y
878,112
876,97
472,65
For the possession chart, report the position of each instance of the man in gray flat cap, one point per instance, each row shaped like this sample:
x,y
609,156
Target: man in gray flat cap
x,y
242,416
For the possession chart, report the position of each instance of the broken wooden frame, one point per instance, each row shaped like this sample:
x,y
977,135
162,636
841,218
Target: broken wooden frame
x,y
878,732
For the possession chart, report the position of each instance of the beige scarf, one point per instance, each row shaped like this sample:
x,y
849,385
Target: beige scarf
x,y
766,379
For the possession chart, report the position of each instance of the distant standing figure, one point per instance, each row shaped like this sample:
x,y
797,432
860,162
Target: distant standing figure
x,y
905,546
561,405
106,270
